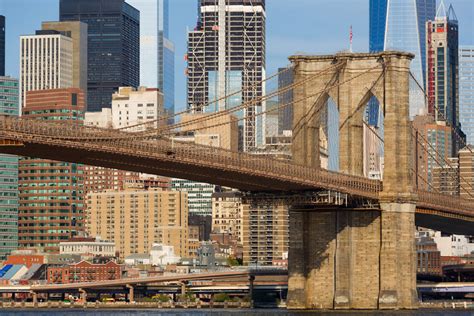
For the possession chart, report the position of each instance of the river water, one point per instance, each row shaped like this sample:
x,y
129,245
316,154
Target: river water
x,y
216,312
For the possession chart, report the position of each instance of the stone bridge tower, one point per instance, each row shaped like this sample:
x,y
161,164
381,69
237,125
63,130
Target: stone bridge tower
x,y
354,258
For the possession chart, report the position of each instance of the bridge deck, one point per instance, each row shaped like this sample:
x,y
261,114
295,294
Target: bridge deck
x,y
122,150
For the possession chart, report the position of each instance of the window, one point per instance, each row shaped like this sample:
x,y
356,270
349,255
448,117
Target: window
x,y
74,99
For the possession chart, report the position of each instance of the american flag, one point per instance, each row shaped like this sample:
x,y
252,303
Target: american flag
x,y
350,36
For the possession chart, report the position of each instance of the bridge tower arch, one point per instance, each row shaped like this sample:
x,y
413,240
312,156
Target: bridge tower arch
x,y
354,257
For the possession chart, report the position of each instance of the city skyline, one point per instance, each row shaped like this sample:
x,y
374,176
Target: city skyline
x,y
280,173
304,35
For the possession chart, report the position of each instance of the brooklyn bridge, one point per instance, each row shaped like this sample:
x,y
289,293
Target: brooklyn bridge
x,y
333,246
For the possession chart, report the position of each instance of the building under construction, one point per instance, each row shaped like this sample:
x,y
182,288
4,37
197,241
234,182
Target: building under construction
x,y
226,54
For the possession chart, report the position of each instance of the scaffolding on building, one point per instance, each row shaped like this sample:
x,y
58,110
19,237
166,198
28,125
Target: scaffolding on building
x,y
228,43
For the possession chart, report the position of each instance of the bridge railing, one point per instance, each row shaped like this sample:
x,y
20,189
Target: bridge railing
x,y
184,151
445,202
117,141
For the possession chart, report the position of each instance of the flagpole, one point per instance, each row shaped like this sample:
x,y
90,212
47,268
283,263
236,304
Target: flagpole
x,y
350,39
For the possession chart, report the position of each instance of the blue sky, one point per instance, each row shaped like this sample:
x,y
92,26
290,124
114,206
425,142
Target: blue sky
x,y
296,26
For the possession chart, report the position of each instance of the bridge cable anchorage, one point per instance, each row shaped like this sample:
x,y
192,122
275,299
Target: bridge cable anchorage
x,y
439,112
189,110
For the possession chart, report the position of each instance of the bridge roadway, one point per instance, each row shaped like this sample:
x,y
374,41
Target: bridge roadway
x,y
277,281
236,277
63,141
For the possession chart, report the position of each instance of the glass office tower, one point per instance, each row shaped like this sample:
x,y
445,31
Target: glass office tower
x,y
466,91
2,45
113,46
156,49
9,98
400,25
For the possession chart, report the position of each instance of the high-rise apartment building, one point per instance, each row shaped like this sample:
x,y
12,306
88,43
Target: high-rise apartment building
x,y
77,31
227,214
51,193
2,45
466,91
400,25
8,174
446,178
199,195
156,49
435,143
466,172
214,132
113,50
442,64
132,106
226,53
45,62
135,219
98,179
264,233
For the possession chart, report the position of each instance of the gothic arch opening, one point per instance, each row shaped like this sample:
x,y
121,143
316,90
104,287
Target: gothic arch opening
x,y
373,131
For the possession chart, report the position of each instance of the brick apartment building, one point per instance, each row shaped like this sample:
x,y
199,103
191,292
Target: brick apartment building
x,y
84,272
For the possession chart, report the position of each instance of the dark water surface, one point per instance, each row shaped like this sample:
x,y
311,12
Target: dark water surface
x,y
215,312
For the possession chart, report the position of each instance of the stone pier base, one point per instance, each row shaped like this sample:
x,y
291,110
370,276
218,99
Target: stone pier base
x,y
352,259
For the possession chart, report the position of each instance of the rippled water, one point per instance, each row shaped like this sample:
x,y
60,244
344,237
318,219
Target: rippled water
x,y
255,312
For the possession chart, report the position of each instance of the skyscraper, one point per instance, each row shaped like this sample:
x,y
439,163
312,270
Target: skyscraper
x,y
156,49
8,175
226,52
434,147
466,91
77,31
443,73
45,62
2,45
51,193
113,50
466,172
400,25
442,65
285,114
